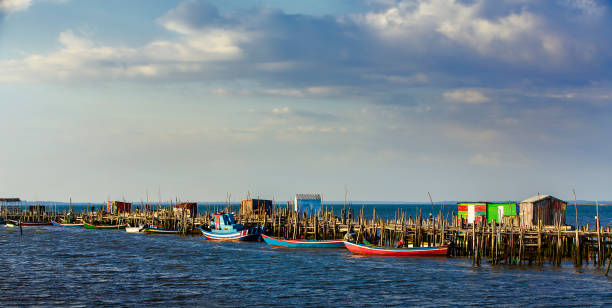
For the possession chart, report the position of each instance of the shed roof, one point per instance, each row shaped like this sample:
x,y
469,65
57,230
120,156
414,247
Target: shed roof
x,y
256,200
185,205
538,198
307,196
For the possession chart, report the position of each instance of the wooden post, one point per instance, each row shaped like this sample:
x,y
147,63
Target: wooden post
x,y
540,241
609,261
600,256
578,257
473,244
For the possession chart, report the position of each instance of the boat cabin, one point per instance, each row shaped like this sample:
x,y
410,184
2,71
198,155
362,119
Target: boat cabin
x,y
224,221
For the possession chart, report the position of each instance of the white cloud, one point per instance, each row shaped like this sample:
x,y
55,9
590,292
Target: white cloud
x,y
513,37
80,57
10,6
281,110
466,96
588,7
284,92
209,45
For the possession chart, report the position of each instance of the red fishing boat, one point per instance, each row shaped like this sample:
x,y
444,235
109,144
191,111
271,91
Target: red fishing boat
x,y
388,251
31,224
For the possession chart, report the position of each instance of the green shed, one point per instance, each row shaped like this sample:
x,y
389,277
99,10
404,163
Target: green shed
x,y
496,211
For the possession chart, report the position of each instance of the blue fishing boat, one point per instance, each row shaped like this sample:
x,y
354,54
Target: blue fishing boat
x,y
159,230
302,243
57,224
224,228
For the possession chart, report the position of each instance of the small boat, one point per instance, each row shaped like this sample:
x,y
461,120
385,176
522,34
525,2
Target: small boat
x,y
134,229
57,224
33,224
105,227
272,241
159,230
224,228
388,251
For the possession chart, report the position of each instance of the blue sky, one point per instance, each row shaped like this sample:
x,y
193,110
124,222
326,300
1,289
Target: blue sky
x,y
469,100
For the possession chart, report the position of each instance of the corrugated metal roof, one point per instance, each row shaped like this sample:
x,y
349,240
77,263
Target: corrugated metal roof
x,y
538,198
307,196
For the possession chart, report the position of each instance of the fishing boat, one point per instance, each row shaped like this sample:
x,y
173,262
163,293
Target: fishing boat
x,y
272,241
224,228
57,224
154,229
105,227
134,229
400,252
33,224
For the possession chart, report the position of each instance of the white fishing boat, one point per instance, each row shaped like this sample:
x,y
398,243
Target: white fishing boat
x,y
134,229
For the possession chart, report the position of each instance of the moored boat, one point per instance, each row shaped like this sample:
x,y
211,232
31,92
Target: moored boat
x,y
388,251
34,224
57,224
134,229
105,227
224,228
272,241
154,229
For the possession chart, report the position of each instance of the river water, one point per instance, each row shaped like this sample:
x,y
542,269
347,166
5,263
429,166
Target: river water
x,y
49,266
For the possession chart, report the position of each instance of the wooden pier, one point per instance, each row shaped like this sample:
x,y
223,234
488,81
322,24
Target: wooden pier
x,y
506,242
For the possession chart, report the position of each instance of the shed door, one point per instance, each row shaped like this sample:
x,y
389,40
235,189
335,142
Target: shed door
x,y
471,213
500,213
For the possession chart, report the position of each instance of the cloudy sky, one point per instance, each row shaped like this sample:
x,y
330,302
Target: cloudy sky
x,y
466,99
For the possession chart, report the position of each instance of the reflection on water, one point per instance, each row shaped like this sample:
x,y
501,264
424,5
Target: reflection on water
x,y
54,266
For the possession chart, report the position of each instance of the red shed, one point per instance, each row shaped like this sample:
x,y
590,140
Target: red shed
x,y
189,208
118,207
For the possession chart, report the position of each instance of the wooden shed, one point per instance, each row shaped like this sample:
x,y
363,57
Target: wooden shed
x,y
472,212
11,205
499,211
255,206
307,202
190,209
118,207
545,208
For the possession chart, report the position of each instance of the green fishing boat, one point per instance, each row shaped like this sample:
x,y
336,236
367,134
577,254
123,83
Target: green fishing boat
x,y
105,227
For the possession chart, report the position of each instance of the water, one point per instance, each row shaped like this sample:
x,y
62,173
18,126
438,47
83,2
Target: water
x,y
49,266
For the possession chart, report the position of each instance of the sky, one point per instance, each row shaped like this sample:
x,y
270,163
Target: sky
x,y
381,100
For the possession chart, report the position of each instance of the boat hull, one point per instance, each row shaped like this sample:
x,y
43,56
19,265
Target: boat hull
x,y
57,224
34,224
399,252
133,229
159,231
302,243
94,227
234,236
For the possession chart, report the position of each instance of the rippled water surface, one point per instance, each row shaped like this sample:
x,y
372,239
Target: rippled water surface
x,y
54,266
